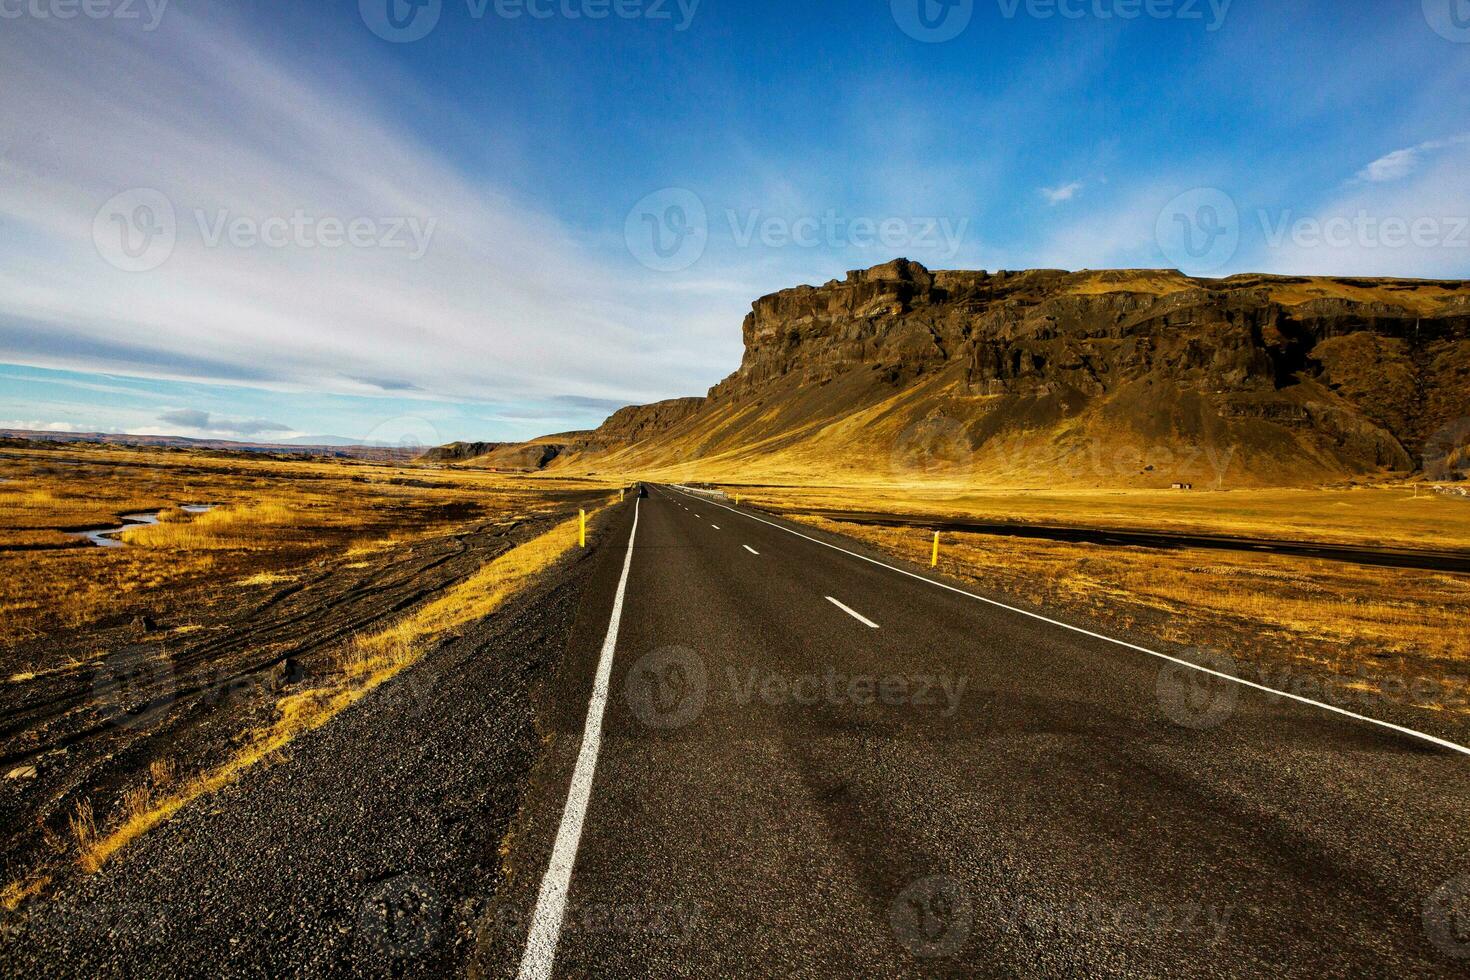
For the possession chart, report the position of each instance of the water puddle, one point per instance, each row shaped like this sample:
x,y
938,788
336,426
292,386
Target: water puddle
x,y
108,537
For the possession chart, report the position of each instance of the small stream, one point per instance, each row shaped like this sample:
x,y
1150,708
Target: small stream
x,y
108,537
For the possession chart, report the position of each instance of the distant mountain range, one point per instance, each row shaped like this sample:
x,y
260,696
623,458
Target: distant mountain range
x,y
339,446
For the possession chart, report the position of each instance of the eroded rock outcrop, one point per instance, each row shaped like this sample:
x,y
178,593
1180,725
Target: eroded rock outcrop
x,y
459,452
638,422
1372,368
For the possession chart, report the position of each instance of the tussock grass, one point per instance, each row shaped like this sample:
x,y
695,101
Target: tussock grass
x,y
361,548
15,894
366,663
39,505
265,578
249,526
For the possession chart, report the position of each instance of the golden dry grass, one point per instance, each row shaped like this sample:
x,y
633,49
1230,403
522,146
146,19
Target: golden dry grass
x,y
15,894
369,661
1389,516
1420,297
253,525
272,518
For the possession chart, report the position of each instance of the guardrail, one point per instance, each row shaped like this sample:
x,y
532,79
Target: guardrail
x,y
703,491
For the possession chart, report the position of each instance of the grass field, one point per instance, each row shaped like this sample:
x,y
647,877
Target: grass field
x,y
270,516
135,679
1390,515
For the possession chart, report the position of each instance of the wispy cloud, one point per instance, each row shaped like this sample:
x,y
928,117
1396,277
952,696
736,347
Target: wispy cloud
x,y
1401,163
1059,195
503,301
34,425
200,421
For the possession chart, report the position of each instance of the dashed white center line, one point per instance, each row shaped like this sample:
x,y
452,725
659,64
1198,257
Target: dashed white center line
x,y
750,549
715,526
855,615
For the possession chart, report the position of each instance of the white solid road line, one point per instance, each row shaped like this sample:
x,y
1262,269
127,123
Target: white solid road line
x,y
551,903
855,615
750,549
1424,736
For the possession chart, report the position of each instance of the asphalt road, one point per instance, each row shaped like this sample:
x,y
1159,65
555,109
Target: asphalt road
x,y
809,764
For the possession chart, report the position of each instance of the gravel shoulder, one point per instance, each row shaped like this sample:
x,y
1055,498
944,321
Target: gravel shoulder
x,y
373,848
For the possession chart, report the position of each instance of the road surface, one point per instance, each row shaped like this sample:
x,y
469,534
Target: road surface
x,y
782,758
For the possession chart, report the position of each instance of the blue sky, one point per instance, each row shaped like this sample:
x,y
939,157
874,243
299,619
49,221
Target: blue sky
x,y
262,219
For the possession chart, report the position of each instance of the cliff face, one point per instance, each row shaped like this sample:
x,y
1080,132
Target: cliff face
x,y
496,455
1051,378
638,422
1372,372
459,452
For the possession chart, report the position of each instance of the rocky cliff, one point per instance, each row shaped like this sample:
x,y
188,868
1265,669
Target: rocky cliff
x,y
1127,377
459,452
1377,367
1045,372
639,422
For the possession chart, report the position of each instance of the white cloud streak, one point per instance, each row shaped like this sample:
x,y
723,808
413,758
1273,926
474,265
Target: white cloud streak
x,y
1401,163
1062,194
504,301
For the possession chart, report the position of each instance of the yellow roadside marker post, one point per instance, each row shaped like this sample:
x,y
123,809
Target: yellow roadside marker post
x,y
934,558
582,533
